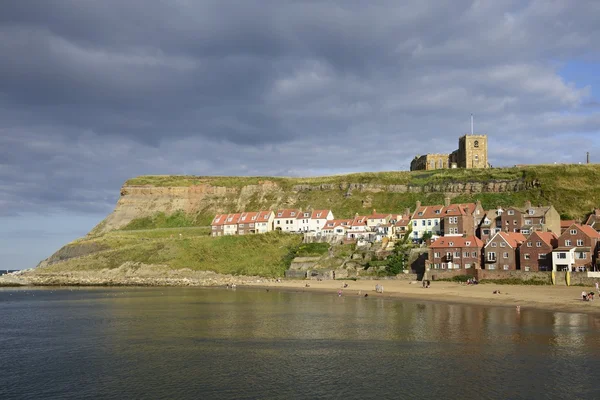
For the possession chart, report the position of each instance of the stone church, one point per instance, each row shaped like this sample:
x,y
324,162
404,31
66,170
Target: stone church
x,y
472,152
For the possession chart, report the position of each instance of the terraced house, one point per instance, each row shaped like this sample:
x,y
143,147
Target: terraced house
x,y
426,219
536,252
490,224
577,249
461,219
286,220
313,221
529,219
455,253
502,251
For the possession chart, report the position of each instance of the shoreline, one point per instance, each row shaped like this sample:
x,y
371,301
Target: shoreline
x,y
549,298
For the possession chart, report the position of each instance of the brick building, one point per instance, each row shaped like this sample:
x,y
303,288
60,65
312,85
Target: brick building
x,y
529,219
455,253
536,252
577,247
502,251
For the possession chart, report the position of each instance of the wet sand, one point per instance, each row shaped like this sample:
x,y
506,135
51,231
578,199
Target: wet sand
x,y
555,298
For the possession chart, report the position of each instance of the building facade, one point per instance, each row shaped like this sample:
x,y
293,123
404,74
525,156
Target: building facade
x,y
502,251
472,152
455,253
536,252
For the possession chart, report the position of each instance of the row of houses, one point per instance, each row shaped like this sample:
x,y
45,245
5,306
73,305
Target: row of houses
x,y
577,248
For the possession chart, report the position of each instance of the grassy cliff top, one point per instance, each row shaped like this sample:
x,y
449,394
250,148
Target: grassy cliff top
x,y
547,174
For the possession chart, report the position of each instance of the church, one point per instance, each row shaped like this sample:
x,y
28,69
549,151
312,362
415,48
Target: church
x,y
472,152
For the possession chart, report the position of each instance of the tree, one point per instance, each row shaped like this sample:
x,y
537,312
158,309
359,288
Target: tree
x,y
398,260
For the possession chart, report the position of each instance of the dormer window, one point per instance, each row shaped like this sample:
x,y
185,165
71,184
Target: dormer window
x,y
306,215
467,243
437,211
279,214
420,213
254,218
293,214
511,212
451,244
319,215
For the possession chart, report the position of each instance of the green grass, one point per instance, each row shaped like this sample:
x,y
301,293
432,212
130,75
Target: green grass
x,y
574,190
263,255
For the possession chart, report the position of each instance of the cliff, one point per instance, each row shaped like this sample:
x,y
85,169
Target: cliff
x,y
573,189
162,220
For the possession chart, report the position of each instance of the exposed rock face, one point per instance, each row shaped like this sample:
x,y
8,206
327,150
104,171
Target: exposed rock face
x,y
141,201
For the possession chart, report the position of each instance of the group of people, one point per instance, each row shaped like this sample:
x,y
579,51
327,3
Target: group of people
x,y
587,296
472,281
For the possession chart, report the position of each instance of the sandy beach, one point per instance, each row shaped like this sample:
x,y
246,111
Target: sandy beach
x,y
555,298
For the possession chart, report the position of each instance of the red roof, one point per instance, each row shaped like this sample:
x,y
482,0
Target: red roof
x,y
514,239
546,237
588,230
331,224
247,217
565,223
428,212
264,215
232,219
218,220
403,222
459,209
287,213
458,241
359,220
314,214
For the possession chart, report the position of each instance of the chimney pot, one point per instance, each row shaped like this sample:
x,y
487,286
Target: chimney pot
x,y
446,201
418,203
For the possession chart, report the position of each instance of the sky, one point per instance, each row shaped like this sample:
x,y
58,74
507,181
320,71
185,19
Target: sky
x,y
95,92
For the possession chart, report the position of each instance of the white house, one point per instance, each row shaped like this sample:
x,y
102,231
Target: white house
x,y
336,227
358,228
264,221
376,219
230,226
426,219
286,220
563,259
313,221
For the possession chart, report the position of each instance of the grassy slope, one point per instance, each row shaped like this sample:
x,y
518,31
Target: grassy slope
x,y
263,255
573,189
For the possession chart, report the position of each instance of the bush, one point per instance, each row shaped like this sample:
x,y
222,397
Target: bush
x,y
312,249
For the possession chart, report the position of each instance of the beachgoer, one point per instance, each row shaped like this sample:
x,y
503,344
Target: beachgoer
x,y
584,296
428,283
518,308
591,296
366,294
340,293
597,287
345,285
424,283
307,285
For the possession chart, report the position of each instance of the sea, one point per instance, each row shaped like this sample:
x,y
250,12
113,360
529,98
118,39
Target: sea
x,y
204,343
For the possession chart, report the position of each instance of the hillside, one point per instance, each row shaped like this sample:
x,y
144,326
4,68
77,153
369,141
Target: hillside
x,y
172,201
153,211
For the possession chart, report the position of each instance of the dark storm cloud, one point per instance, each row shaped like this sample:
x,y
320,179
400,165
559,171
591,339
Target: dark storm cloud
x,y
94,92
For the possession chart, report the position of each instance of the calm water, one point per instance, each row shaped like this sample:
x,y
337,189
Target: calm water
x,y
194,343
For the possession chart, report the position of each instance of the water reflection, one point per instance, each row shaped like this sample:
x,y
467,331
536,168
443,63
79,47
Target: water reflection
x,y
190,343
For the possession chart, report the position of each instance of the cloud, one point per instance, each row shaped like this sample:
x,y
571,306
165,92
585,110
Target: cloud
x,y
95,93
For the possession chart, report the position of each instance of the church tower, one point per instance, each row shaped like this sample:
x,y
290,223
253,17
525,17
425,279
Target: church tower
x,y
472,151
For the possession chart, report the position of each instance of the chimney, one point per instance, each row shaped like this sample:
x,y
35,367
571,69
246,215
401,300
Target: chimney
x,y
447,201
418,204
528,204
374,211
587,157
478,203
407,212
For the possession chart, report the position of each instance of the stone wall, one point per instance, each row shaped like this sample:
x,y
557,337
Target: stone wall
x,y
521,275
581,278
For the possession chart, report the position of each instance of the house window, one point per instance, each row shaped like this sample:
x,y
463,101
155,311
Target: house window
x,y
486,231
538,244
502,244
491,266
527,269
474,254
415,223
573,231
567,242
505,267
511,212
476,143
436,266
494,245
526,256
436,255
491,256
527,222
466,254
505,255
467,243
476,157
451,244
457,254
437,211
241,225
428,222
467,266
293,214
423,223
561,256
531,212
579,242
279,214
515,222
529,244
541,256
581,255
278,222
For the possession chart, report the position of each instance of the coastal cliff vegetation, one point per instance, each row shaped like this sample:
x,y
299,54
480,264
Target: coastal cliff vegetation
x,y
163,219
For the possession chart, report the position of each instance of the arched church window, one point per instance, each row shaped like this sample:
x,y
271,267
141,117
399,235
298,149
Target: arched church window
x,y
476,143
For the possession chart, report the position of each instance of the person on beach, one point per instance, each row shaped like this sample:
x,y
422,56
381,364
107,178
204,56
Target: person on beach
x,y
584,296
340,293
597,287
591,296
